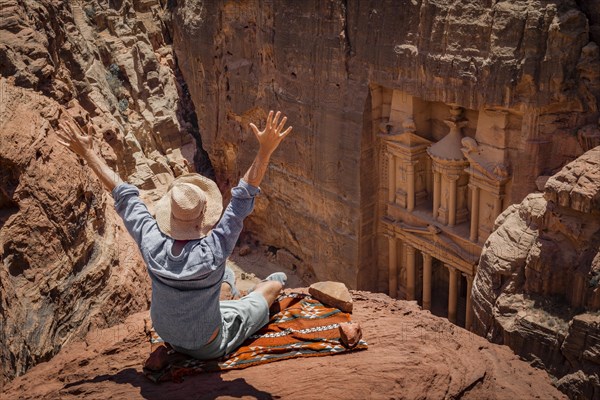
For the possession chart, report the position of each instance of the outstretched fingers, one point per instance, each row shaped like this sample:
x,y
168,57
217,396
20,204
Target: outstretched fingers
x,y
68,129
255,130
285,133
63,132
281,125
275,120
269,119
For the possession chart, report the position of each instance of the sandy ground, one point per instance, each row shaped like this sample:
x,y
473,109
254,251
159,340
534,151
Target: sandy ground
x,y
251,268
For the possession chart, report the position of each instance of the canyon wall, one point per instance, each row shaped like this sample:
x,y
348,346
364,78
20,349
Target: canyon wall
x,y
537,288
332,68
67,262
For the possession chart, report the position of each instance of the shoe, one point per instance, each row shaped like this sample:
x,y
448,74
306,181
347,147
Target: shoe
x,y
280,277
229,278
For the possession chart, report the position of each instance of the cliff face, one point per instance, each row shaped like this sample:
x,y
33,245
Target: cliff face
x,y
67,262
412,354
326,65
331,66
537,288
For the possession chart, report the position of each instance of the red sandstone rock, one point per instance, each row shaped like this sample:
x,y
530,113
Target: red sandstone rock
x,y
321,198
334,294
350,333
158,359
244,250
537,287
412,354
68,264
322,186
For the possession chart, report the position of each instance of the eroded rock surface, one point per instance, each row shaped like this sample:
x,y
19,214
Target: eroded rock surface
x,y
412,354
67,262
114,59
537,288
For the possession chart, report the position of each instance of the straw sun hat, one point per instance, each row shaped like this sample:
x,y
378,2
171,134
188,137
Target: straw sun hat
x,y
190,208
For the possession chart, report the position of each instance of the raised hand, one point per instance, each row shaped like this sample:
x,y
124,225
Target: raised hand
x,y
269,139
273,134
73,137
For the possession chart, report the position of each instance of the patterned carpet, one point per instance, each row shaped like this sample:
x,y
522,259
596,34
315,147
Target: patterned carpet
x,y
300,326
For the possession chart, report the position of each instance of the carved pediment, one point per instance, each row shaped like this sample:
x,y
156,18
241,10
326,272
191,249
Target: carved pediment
x,y
405,137
481,163
411,139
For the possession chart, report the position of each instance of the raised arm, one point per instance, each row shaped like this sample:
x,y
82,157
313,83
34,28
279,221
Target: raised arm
x,y
268,139
81,143
226,233
138,221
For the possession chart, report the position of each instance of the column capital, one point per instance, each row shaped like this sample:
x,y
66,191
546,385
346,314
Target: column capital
x,y
426,256
409,248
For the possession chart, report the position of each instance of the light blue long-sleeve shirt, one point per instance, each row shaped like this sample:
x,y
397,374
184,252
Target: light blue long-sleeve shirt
x,y
185,288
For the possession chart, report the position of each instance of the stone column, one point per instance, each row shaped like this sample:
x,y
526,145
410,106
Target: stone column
x,y
452,200
391,178
410,272
474,234
393,267
410,187
437,189
428,176
426,281
469,311
452,293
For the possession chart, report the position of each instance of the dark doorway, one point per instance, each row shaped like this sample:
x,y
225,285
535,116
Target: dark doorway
x,y
439,289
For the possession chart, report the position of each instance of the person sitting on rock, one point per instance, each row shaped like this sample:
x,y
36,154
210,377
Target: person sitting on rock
x,y
185,252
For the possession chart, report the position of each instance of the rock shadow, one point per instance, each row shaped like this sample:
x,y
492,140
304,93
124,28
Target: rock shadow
x,y
209,385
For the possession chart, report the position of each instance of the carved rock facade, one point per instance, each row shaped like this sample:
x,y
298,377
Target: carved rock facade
x,y
507,83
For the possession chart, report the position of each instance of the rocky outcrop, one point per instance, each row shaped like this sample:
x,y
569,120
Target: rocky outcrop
x,y
412,354
537,287
67,262
114,59
332,67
